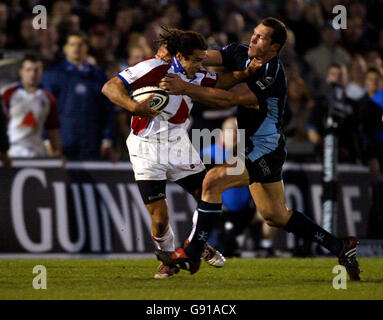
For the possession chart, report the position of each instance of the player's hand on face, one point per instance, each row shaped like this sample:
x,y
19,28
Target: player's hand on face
x,y
143,109
163,54
255,64
172,84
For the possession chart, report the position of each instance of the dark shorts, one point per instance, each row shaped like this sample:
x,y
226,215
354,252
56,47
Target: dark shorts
x,y
268,168
155,190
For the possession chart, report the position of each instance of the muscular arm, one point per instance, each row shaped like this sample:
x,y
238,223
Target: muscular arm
x,y
239,95
117,93
227,80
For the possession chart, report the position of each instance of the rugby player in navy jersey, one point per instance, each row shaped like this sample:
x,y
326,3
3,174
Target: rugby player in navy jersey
x,y
265,152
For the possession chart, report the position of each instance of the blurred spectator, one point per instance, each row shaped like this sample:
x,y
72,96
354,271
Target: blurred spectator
x,y
234,26
355,89
86,116
101,44
348,139
97,13
49,48
374,60
30,109
299,104
30,38
136,54
4,142
305,32
328,52
371,119
356,36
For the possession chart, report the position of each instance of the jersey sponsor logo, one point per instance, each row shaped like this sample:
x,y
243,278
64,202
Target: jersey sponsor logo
x,y
264,82
156,197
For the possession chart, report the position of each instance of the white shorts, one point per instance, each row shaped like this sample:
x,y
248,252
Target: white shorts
x,y
163,160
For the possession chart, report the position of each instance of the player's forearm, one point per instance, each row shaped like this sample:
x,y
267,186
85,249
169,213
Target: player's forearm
x,y
117,93
210,96
227,80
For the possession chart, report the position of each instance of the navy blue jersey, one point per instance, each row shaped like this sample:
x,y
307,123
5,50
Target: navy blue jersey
x,y
262,125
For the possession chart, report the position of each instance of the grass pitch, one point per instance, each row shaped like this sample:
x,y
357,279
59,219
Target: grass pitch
x,y
240,279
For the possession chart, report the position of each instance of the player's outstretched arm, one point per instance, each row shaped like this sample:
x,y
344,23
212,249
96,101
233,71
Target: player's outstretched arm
x,y
240,95
116,92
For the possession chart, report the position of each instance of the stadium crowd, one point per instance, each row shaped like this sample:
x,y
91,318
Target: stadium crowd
x,y
67,73
121,33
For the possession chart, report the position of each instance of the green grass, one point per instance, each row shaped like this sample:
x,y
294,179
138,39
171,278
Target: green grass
x,y
240,279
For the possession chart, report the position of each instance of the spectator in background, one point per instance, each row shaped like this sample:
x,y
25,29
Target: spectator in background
x,y
371,120
349,148
101,45
30,109
136,53
98,13
234,26
355,36
355,89
4,142
305,32
30,38
298,107
86,116
328,52
374,60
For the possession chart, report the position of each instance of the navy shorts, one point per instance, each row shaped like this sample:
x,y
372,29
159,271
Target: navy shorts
x,y
268,168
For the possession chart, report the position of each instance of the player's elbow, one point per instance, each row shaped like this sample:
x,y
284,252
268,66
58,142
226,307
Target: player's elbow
x,y
107,88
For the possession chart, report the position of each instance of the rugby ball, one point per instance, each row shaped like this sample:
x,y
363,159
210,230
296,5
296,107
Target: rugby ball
x,y
158,102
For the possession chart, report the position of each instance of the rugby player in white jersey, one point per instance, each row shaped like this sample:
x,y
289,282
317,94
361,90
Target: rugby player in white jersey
x,y
159,145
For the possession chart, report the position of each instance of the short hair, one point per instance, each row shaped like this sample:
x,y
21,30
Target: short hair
x,y
279,31
334,65
30,57
77,34
184,42
376,71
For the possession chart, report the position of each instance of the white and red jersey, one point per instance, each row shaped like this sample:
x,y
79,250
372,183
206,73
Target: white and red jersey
x,y
28,113
176,115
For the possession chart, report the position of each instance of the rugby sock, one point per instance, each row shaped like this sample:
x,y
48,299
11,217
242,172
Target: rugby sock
x,y
303,226
194,226
207,215
166,242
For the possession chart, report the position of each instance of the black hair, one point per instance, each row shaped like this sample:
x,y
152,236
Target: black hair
x,y
375,70
184,42
279,31
30,57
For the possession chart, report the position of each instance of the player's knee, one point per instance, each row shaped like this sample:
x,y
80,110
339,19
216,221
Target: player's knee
x,y
213,181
